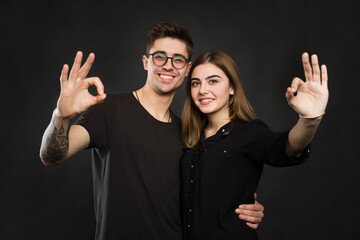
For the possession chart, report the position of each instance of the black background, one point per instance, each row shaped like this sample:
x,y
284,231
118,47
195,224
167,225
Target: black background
x,y
317,200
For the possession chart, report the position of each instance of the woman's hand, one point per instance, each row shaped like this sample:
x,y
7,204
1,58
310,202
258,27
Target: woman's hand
x,y
309,98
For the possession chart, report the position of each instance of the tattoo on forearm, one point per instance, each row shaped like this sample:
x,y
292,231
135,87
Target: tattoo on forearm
x,y
57,144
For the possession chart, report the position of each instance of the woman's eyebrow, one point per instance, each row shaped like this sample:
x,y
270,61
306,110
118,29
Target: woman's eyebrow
x,y
213,76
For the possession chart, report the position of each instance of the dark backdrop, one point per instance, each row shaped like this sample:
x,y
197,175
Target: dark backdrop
x,y
317,200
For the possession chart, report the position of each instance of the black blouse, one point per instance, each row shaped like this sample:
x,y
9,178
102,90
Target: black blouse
x,y
223,171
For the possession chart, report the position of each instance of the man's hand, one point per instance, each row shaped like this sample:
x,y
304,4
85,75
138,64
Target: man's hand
x,y
56,144
252,213
75,97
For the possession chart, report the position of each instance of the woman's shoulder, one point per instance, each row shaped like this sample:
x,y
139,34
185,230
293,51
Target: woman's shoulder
x,y
252,128
251,124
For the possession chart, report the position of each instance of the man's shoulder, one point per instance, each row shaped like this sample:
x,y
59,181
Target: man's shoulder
x,y
111,97
111,103
117,99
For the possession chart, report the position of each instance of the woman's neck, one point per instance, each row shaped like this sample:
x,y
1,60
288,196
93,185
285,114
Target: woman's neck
x,y
215,122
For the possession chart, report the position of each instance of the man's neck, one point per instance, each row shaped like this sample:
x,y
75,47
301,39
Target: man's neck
x,y
156,104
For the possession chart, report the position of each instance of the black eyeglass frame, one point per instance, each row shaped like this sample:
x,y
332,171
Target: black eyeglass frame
x,y
167,58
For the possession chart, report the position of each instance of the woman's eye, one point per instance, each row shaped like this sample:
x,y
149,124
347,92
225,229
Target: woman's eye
x,y
213,81
194,83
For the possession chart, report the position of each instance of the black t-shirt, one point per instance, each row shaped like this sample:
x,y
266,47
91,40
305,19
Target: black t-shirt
x,y
223,171
135,162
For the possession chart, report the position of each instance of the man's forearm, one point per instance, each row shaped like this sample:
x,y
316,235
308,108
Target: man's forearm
x,y
55,142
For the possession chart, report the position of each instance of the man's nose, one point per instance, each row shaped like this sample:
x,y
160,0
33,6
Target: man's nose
x,y
168,64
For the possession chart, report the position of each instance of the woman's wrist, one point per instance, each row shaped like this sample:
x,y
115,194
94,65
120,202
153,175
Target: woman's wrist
x,y
312,117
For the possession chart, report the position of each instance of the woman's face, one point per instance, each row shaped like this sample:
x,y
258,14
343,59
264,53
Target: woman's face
x,y
210,90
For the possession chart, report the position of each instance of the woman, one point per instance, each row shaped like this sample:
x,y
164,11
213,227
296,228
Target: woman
x,y
227,146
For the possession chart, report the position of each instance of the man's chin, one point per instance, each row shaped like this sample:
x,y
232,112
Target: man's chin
x,y
167,90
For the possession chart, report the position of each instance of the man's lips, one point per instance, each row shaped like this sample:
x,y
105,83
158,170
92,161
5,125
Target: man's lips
x,y
166,77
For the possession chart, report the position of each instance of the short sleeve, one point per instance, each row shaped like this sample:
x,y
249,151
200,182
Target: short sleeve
x,y
96,121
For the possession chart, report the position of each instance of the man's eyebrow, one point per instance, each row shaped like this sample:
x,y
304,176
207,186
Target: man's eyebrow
x,y
213,76
159,52
179,55
175,55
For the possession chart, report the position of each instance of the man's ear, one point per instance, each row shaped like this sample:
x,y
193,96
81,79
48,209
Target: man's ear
x,y
145,61
188,68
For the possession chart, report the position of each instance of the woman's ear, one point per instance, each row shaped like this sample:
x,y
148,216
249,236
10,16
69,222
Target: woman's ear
x,y
231,91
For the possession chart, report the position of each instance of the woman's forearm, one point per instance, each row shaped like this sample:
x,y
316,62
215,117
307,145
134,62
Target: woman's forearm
x,y
301,135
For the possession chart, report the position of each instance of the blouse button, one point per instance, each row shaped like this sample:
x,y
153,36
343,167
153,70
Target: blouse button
x,y
188,225
192,166
223,130
191,181
205,150
225,151
190,210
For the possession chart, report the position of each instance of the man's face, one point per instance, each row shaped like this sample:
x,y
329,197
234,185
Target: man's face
x,y
166,79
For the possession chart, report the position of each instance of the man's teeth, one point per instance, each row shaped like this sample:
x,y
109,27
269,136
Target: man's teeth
x,y
166,76
205,100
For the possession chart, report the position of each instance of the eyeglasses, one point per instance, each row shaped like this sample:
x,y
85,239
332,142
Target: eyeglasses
x,y
160,59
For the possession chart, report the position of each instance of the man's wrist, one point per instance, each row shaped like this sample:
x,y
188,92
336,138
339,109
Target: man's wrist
x,y
57,115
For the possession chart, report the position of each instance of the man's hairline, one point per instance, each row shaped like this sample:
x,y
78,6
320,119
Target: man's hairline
x,y
174,38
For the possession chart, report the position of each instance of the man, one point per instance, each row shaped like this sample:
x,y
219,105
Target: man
x,y
135,139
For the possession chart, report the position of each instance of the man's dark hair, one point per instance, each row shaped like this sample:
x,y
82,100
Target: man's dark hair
x,y
171,30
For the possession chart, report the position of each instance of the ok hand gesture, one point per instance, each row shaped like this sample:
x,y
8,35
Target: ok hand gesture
x,y
309,98
75,97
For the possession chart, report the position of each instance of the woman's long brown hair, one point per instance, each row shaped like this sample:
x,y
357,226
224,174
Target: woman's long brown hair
x,y
193,120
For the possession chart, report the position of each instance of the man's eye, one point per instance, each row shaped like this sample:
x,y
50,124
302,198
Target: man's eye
x,y
179,59
159,56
